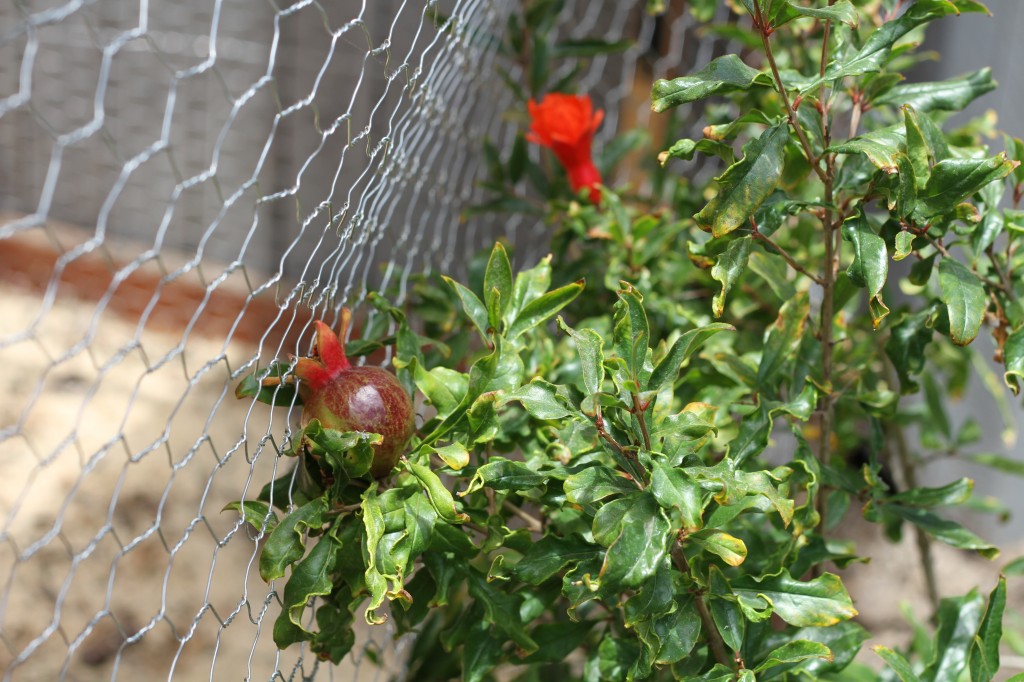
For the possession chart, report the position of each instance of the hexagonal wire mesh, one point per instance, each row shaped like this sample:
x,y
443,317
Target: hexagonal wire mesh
x,y
183,186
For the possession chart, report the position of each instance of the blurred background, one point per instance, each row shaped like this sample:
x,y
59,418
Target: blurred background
x,y
183,187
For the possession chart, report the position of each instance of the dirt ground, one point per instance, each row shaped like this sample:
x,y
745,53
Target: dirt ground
x,y
116,561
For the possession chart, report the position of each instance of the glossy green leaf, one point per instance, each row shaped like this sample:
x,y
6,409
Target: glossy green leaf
x,y
723,75
949,532
794,652
728,268
589,47
882,146
259,515
745,185
278,395
440,497
286,544
953,181
842,11
310,578
732,550
596,483
984,653
877,49
455,455
631,330
543,308
551,555
1013,360
953,94
725,612
897,663
673,489
965,299
504,474
541,399
958,618
473,306
782,339
948,495
500,609
820,602
590,346
685,149
680,352
904,245
906,346
870,265
641,546
558,640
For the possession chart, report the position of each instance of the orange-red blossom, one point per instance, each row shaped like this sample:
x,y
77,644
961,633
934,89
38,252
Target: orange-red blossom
x,y
566,125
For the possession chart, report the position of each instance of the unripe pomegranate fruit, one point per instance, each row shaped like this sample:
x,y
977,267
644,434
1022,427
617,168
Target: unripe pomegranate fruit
x,y
347,398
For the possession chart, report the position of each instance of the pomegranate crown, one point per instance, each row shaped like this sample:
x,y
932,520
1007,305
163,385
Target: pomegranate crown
x,y
328,359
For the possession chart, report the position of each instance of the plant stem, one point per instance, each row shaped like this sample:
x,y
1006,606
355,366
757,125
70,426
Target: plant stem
x,y
757,234
533,522
924,544
638,411
762,26
715,640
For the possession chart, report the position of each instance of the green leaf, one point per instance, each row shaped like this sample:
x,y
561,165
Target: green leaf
x,y
673,489
442,387
285,545
500,609
882,147
543,308
782,339
685,346
919,151
473,306
841,12
870,265
948,95
440,497
964,296
820,602
558,640
948,495
984,656
953,181
724,611
531,284
504,474
723,75
589,47
454,455
685,149
259,515
480,654
551,555
276,395
949,532
898,664
631,330
310,578
497,285
728,268
904,245
877,49
596,483
731,549
906,346
958,618
999,462
541,399
745,185
794,652
1013,359
590,346
641,546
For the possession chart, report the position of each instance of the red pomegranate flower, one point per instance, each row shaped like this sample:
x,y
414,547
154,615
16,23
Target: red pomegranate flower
x,y
566,124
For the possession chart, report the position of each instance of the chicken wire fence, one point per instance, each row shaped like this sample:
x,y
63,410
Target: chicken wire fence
x,y
184,186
